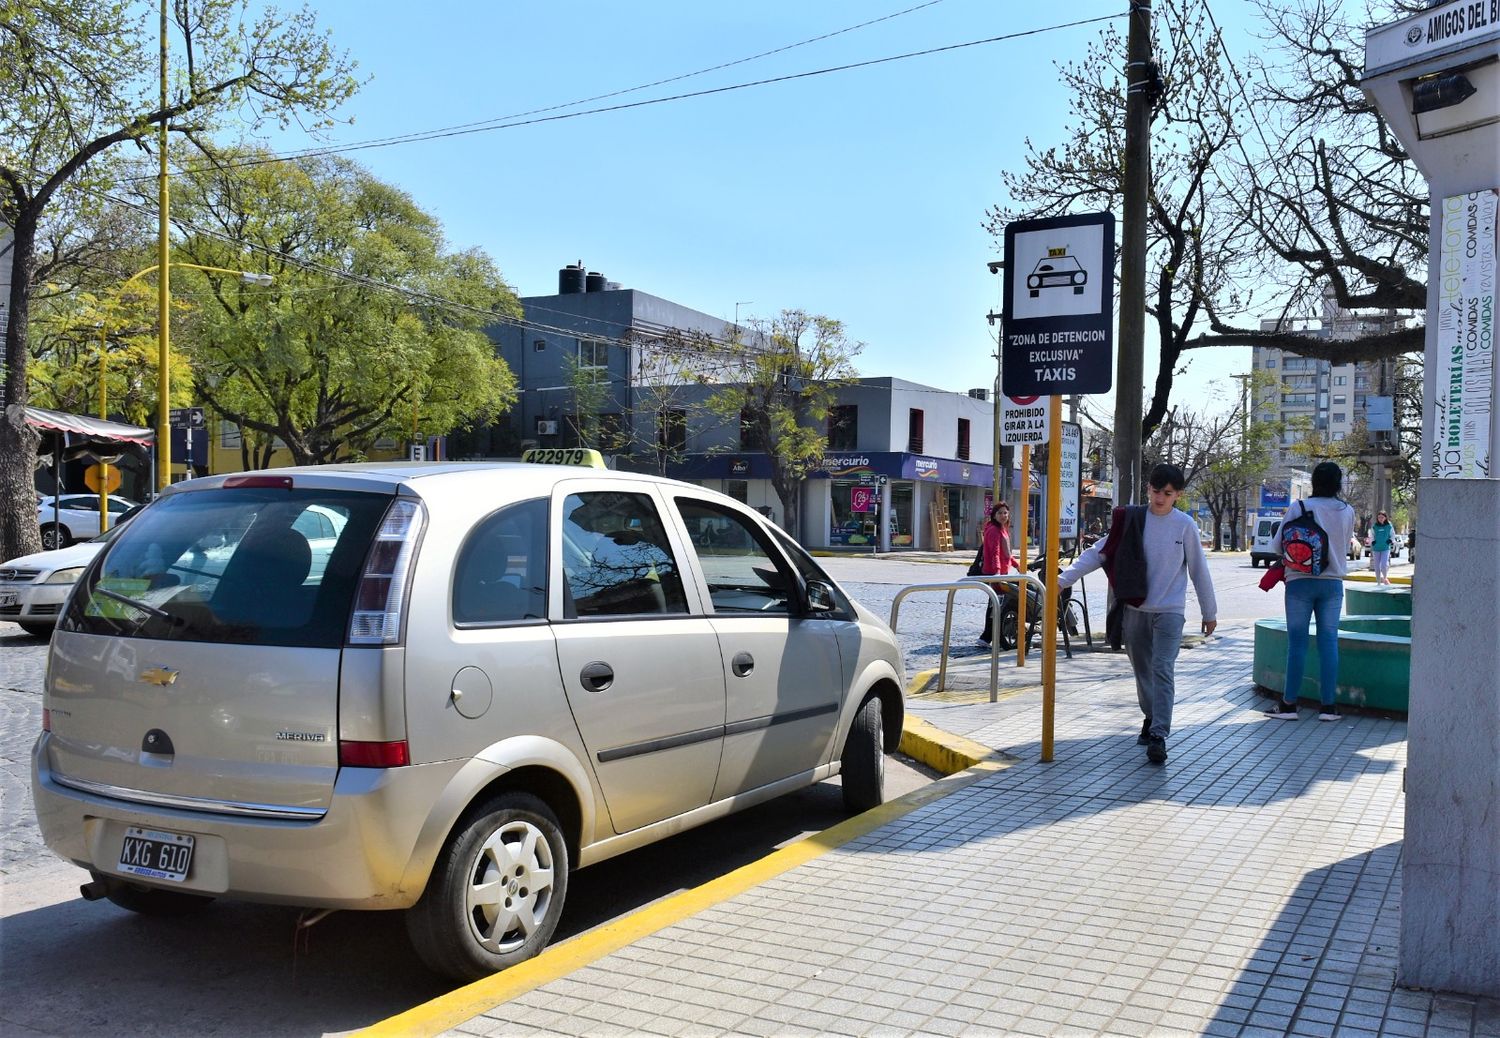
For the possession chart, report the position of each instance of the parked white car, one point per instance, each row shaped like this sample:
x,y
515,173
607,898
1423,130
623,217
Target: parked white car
x,y
75,517
34,588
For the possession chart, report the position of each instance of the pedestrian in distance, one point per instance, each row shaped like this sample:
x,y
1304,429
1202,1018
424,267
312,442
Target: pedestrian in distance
x,y
1150,553
1317,596
995,557
1380,548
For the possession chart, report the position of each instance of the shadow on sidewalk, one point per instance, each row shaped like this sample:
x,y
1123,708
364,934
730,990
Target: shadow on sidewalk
x,y
1329,962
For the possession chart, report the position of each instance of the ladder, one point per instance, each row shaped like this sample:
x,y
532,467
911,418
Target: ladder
x,y
942,530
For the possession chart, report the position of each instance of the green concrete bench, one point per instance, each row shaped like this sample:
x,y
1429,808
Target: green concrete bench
x,y
1374,660
1377,601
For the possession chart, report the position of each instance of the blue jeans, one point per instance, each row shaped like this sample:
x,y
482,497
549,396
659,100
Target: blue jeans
x,y
1151,641
1307,597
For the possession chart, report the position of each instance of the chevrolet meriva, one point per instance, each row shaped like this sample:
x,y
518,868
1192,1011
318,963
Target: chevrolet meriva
x,y
440,688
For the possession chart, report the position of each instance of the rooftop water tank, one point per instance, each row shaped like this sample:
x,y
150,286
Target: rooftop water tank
x,y
570,280
594,282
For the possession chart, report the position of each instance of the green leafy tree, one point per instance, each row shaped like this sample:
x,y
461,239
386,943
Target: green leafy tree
x,y
793,365
368,329
589,387
81,77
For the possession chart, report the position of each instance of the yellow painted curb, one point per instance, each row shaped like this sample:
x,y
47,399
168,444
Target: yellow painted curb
x,y
465,1003
923,741
1366,577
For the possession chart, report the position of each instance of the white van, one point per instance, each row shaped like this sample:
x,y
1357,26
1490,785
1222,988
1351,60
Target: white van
x,y
1261,550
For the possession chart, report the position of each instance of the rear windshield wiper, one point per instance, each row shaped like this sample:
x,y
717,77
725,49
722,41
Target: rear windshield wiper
x,y
151,610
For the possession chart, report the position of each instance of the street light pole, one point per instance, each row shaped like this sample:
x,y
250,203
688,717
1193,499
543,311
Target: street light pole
x,y
1241,527
163,287
996,267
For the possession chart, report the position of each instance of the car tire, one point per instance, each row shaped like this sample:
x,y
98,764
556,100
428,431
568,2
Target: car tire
x,y
153,901
512,855
862,764
37,630
54,536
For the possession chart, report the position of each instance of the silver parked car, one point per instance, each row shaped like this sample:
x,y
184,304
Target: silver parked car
x,y
496,673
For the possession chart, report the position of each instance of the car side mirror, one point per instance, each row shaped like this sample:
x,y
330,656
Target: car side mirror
x,y
820,597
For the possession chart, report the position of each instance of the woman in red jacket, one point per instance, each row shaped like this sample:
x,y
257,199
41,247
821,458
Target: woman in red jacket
x,y
996,558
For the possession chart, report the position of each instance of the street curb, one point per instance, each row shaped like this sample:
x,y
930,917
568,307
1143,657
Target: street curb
x,y
942,751
451,1010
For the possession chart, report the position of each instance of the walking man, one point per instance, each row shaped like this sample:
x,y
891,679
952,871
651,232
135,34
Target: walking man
x,y
1149,554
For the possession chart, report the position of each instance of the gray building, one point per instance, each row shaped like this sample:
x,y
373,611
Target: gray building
x,y
902,457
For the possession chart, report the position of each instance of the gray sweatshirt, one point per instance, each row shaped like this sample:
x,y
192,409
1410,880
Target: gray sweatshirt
x,y
1173,553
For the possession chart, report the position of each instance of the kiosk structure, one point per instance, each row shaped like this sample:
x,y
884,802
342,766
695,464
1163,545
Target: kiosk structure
x,y
1435,78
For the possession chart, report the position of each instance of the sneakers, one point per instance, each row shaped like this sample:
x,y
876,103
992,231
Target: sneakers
x,y
1282,711
1329,713
1156,749
1145,735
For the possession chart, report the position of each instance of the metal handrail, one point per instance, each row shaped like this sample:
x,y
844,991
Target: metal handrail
x,y
978,584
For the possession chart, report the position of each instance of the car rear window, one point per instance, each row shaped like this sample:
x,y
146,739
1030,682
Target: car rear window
x,y
262,566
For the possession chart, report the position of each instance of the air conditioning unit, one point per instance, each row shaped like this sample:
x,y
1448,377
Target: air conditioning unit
x,y
545,428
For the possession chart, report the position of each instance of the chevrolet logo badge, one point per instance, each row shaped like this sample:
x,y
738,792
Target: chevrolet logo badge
x,y
162,676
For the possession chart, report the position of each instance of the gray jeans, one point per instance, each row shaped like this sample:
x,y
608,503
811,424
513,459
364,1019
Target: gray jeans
x,y
1151,641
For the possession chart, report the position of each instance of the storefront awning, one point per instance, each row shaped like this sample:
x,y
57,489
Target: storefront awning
x,y
81,429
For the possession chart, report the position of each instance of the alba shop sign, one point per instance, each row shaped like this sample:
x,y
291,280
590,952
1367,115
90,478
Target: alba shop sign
x,y
1059,305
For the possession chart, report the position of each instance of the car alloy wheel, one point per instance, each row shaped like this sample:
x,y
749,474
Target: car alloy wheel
x,y
496,892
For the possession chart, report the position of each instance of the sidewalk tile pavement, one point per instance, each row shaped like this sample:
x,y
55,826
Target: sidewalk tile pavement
x,y
1249,886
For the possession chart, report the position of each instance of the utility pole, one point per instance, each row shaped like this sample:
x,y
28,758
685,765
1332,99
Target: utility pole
x,y
1129,366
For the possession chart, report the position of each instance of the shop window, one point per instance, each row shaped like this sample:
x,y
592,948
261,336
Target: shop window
x,y
747,430
843,427
963,439
739,489
914,439
671,430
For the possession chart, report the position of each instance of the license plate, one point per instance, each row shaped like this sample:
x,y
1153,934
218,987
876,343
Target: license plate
x,y
9,598
155,854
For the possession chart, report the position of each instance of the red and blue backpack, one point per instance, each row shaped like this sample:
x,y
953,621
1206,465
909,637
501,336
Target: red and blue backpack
x,y
1304,544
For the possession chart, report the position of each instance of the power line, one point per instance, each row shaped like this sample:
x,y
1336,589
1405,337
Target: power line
x,y
440,134
399,138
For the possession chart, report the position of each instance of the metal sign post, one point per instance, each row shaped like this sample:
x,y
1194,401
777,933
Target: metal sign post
x,y
1058,340
1049,600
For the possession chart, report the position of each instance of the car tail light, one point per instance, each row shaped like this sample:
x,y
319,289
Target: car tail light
x,y
374,754
46,719
382,586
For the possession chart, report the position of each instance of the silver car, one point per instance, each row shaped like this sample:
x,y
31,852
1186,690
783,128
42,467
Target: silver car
x,y
494,674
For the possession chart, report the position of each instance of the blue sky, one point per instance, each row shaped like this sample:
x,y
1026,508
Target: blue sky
x,y
858,194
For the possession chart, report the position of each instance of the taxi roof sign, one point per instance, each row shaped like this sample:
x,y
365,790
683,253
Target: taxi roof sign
x,y
1055,252
582,456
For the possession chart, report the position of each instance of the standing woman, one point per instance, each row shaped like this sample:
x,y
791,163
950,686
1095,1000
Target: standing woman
x,y
1321,596
1380,548
995,557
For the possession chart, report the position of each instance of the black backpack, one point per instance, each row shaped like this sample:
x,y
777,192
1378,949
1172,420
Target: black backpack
x,y
1304,544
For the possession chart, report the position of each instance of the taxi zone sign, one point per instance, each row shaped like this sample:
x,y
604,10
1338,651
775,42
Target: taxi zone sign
x,y
1059,305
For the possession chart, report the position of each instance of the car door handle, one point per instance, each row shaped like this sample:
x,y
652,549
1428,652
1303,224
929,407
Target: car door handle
x,y
742,664
596,676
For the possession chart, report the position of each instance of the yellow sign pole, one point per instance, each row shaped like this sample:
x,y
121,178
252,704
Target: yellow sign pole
x,y
1053,550
1022,536
163,292
103,417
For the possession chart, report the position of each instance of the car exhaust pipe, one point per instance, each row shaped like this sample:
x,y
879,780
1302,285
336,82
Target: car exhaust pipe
x,y
95,889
